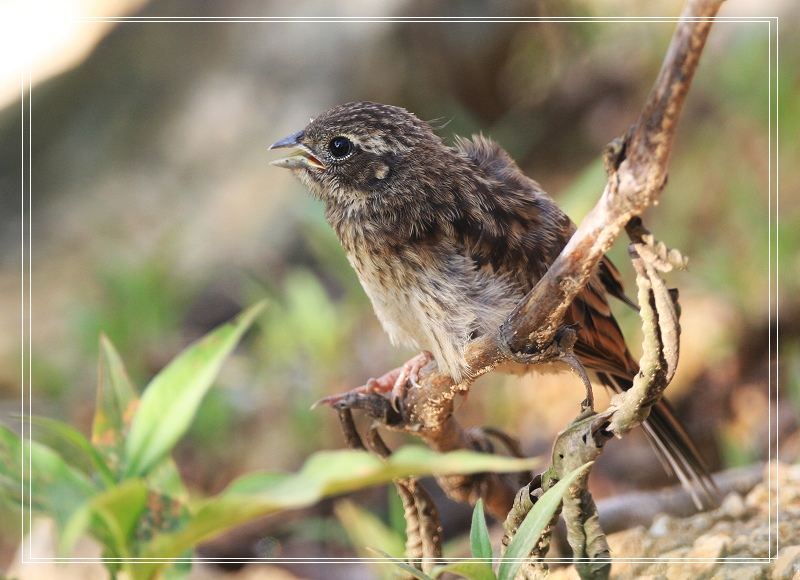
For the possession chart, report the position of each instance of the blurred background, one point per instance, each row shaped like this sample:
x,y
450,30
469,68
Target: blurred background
x,y
155,217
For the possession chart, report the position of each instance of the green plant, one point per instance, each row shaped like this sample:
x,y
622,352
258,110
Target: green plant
x,y
123,489
519,548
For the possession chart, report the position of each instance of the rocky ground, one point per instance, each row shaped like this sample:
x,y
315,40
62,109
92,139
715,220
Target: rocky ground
x,y
748,537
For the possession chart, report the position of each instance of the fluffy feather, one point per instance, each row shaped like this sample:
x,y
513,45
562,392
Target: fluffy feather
x,y
446,242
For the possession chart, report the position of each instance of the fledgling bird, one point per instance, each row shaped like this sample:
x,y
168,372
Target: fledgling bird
x,y
446,241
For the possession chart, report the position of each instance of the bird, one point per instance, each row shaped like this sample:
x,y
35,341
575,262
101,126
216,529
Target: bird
x,y
446,241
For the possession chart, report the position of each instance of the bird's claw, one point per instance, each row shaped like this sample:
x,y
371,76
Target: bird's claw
x,y
372,387
577,367
407,374
394,382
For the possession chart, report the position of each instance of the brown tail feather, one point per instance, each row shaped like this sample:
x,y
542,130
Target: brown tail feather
x,y
673,446
601,347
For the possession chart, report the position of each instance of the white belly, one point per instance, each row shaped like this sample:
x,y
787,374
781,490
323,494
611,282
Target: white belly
x,y
438,305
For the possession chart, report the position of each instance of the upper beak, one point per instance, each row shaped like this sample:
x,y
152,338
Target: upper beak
x,y
300,158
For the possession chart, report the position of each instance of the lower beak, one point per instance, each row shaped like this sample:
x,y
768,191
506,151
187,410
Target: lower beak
x,y
298,160
302,158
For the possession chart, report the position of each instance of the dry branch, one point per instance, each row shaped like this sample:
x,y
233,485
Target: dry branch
x,y
636,178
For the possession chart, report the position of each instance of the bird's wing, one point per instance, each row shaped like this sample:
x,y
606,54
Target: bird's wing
x,y
536,230
511,225
601,347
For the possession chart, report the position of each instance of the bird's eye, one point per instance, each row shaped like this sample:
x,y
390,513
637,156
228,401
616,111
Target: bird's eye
x,y
340,147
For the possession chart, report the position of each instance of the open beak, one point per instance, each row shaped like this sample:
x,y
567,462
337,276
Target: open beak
x,y
300,158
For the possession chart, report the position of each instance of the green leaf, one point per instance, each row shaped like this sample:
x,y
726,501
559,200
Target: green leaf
x,y
162,514
324,474
331,472
254,483
479,535
412,457
171,399
531,528
365,528
420,575
165,478
470,570
178,570
34,474
69,434
116,399
109,517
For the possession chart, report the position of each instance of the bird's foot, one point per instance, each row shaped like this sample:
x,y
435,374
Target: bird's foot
x,y
393,382
408,373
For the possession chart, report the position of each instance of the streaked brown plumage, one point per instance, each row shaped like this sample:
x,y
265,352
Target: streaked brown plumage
x,y
446,242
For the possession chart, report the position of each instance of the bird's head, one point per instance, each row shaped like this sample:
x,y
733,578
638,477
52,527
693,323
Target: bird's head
x,y
357,151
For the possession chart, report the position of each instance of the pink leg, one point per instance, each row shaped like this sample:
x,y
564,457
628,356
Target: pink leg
x,y
394,381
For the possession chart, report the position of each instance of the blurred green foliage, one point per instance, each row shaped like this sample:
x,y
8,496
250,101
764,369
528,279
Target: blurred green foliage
x,y
139,304
125,491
